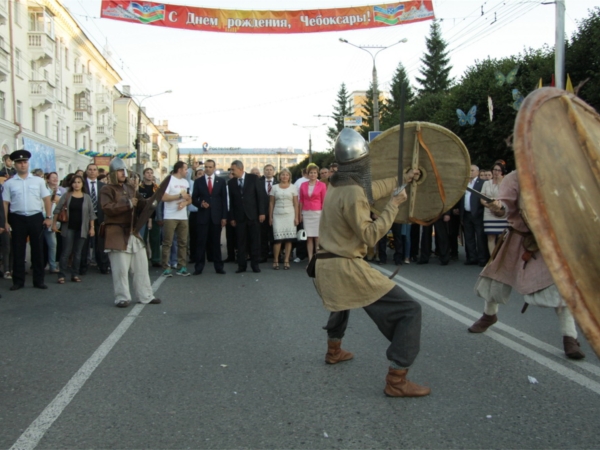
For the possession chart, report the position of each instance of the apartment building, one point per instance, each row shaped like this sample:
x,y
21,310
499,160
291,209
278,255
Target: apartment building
x,y
56,87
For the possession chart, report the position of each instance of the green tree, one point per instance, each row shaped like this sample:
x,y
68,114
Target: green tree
x,y
436,66
341,109
583,58
391,112
367,113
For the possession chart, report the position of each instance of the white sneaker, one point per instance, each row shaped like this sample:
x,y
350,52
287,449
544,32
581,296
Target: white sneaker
x,y
297,260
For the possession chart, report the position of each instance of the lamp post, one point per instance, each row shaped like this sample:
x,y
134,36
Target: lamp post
x,y
376,50
138,165
309,128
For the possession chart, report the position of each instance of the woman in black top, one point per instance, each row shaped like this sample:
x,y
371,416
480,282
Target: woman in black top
x,y
79,225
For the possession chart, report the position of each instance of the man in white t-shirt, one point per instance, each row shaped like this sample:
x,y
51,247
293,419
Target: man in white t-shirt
x,y
176,199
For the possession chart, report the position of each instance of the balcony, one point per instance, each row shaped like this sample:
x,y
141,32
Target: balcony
x,y
103,133
41,47
145,157
83,120
164,154
144,138
103,102
3,12
155,146
82,82
42,95
163,169
155,164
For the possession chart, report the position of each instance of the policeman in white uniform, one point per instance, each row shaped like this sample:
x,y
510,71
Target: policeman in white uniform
x,y
24,195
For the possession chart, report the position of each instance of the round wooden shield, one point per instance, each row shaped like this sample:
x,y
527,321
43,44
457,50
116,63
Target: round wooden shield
x,y
556,142
443,160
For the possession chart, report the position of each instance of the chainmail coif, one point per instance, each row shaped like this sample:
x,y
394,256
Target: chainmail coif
x,y
355,173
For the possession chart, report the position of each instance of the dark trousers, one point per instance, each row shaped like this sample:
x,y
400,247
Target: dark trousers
x,y
193,227
382,249
398,243
231,243
397,316
101,257
72,242
153,237
441,238
453,233
24,227
301,248
475,239
415,233
266,239
209,236
247,235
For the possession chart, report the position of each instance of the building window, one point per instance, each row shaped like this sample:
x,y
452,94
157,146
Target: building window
x,y
82,101
18,62
67,136
19,112
17,11
57,131
66,58
33,120
75,140
67,102
40,21
2,105
46,126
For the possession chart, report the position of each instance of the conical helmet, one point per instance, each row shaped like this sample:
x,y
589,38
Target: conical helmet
x,y
350,146
115,165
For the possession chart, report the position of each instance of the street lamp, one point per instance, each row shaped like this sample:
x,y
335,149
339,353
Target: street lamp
x,y
138,165
309,128
379,49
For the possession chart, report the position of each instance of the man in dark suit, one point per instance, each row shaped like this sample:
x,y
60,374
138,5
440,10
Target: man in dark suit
x,y
472,219
210,197
247,212
92,187
266,231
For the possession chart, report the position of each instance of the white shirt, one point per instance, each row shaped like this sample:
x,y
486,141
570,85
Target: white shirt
x,y
176,186
26,195
300,181
89,183
468,195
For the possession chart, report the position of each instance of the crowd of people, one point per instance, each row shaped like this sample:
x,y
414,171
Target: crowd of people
x,y
266,216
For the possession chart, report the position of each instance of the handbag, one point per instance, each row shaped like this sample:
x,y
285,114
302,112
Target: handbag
x,y
301,235
63,215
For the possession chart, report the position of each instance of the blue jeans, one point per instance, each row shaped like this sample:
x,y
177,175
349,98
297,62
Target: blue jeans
x,y
50,238
173,255
72,243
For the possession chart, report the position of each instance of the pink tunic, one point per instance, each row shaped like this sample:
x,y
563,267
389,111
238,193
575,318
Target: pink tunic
x,y
508,267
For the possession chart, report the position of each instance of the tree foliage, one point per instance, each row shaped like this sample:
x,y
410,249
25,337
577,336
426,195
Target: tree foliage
x,y
367,113
391,112
341,109
436,66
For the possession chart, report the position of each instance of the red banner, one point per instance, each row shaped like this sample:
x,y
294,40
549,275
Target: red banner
x,y
240,21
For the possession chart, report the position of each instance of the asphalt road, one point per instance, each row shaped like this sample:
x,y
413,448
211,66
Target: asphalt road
x,y
237,361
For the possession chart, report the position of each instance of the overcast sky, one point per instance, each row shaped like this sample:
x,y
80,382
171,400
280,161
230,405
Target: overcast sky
x,y
241,90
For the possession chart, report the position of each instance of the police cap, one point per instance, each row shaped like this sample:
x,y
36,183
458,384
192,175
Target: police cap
x,y
20,155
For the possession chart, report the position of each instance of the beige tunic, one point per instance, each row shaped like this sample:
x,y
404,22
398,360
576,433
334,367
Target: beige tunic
x,y
347,230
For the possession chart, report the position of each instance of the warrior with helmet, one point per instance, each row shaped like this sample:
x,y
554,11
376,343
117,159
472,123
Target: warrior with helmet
x,y
345,281
123,206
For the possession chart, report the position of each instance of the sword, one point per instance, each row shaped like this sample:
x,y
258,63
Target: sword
x,y
401,183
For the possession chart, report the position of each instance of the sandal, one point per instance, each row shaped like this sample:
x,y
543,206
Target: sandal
x,y
275,266
286,266
61,280
76,279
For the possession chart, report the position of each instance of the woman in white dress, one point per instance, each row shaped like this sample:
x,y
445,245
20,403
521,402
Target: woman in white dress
x,y
493,226
283,216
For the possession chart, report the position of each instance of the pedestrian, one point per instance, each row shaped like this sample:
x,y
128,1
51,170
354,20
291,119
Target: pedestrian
x,y
176,199
345,281
493,226
268,180
79,224
472,219
8,170
5,240
311,198
520,265
283,217
210,197
152,232
92,187
121,206
24,195
49,234
247,212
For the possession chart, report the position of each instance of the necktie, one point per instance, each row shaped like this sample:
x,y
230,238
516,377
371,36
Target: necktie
x,y
241,183
94,198
269,187
210,185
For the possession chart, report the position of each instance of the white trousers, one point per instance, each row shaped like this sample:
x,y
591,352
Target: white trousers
x,y
136,263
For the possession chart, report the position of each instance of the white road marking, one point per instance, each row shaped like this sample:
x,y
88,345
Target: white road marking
x,y
35,432
532,354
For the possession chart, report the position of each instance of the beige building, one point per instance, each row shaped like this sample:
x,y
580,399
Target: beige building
x,y
358,99
56,87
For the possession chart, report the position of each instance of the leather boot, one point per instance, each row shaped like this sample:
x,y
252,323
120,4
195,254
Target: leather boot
x,y
335,353
396,385
572,349
483,323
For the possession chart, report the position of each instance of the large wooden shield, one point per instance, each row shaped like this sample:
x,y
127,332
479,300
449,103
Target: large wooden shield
x,y
444,163
557,151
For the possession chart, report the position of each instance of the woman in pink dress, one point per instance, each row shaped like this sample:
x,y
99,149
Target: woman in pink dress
x,y
312,196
